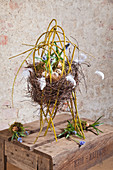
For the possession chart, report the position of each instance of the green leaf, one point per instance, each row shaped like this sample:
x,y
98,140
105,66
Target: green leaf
x,y
67,136
61,58
47,56
98,119
100,131
52,55
96,130
44,61
13,137
69,123
56,47
22,134
79,135
46,67
60,54
16,137
70,126
62,134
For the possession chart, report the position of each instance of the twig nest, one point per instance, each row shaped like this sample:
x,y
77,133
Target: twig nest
x,y
44,92
39,66
16,127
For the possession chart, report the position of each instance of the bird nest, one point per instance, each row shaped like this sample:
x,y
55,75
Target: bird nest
x,y
61,87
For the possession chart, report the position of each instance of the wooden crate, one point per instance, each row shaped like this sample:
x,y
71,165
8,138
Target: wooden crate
x,y
47,154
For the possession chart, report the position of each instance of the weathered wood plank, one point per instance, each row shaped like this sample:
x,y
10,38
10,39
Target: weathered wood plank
x,y
5,134
19,164
26,160
104,165
66,154
88,155
43,140
2,156
12,167
44,163
60,122
20,157
34,127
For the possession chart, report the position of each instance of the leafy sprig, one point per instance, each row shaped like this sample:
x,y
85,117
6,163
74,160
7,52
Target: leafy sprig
x,y
17,131
69,131
95,125
54,59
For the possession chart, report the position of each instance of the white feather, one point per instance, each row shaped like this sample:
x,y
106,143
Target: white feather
x,y
100,74
71,79
82,58
42,82
43,74
26,73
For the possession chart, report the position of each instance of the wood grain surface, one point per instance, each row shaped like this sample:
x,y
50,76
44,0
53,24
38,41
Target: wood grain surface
x,y
2,155
47,154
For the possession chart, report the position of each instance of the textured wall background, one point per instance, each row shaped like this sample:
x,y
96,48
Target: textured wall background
x,y
90,22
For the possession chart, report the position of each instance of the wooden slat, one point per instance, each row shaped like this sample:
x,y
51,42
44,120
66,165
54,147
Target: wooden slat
x,y
66,154
44,163
104,165
87,156
5,134
34,127
2,156
19,164
60,122
20,157
12,167
24,159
